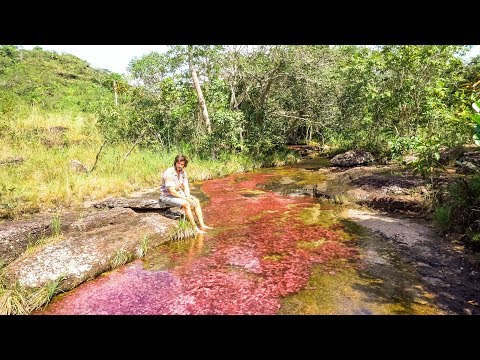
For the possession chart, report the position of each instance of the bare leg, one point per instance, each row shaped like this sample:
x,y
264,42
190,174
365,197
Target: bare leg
x,y
198,211
188,212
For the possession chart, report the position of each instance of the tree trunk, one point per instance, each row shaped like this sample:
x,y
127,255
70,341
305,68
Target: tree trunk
x,y
196,83
266,90
115,90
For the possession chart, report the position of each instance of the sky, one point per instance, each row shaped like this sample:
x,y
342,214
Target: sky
x,y
111,57
116,57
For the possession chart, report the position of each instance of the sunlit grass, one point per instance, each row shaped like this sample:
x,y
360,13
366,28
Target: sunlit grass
x,y
48,142
183,230
142,249
120,257
16,299
56,236
41,297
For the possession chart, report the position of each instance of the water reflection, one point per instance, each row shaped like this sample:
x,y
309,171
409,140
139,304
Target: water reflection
x,y
196,246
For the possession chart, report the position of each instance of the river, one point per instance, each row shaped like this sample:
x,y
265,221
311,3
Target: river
x,y
273,250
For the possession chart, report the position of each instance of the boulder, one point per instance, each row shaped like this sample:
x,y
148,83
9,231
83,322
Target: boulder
x,y
352,158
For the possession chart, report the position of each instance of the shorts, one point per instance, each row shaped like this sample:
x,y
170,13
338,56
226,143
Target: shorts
x,y
172,201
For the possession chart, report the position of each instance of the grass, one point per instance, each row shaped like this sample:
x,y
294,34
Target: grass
x,y
183,230
120,257
442,215
55,236
42,296
45,181
142,249
18,300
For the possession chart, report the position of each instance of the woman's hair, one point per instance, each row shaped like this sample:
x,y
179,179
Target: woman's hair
x,y
181,158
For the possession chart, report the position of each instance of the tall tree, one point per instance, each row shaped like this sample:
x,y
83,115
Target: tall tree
x,y
198,89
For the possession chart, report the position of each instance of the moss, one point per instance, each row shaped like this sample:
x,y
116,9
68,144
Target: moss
x,y
347,291
310,244
324,215
273,257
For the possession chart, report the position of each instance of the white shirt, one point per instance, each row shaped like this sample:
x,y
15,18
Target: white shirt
x,y
171,178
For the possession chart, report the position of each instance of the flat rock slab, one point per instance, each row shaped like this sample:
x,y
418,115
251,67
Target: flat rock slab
x,y
88,247
16,236
132,203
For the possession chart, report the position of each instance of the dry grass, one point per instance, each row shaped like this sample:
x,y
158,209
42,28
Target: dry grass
x,y
18,300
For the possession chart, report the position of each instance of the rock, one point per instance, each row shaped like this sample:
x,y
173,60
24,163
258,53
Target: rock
x,y
11,160
132,203
88,248
352,158
16,236
409,159
466,167
447,155
77,166
57,129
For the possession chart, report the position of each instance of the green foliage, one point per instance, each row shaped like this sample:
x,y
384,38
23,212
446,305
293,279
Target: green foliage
x,y
476,120
461,201
56,225
402,145
428,163
442,216
52,81
226,137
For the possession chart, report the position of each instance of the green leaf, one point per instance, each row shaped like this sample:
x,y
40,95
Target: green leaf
x,y
475,118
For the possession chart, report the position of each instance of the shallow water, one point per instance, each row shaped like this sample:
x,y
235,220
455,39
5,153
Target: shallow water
x,y
273,251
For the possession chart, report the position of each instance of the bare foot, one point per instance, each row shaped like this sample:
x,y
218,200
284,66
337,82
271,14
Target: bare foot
x,y
200,231
204,227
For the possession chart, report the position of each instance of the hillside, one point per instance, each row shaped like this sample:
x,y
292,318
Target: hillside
x,y
51,80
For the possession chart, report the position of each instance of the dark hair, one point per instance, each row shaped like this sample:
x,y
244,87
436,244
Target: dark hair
x,y
181,158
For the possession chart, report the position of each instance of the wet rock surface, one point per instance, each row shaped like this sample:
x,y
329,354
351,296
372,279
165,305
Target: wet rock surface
x,y
86,248
445,268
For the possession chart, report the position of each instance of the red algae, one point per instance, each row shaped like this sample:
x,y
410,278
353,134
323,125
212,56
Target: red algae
x,y
255,259
128,290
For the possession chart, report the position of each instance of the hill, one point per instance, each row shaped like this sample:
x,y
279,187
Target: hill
x,y
55,82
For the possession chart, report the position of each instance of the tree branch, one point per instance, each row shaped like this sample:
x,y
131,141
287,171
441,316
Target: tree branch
x,y
139,139
98,155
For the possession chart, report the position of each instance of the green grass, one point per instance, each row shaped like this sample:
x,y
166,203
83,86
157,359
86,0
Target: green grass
x,y
142,249
442,215
45,181
183,230
120,257
56,236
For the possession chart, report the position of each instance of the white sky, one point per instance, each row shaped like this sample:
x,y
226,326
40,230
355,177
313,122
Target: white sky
x,y
116,57
111,57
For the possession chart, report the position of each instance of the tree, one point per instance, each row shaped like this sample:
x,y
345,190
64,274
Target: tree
x,y
198,89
